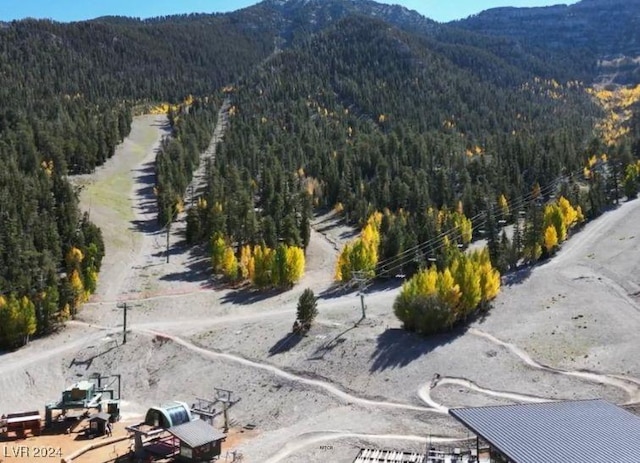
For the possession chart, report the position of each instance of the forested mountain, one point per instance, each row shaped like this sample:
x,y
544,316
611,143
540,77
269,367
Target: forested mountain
x,y
373,117
603,31
334,103
161,59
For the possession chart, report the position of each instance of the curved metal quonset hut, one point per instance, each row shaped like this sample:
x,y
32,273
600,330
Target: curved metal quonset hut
x,y
168,415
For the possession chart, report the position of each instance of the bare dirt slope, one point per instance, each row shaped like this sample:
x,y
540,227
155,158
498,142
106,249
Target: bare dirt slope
x,y
562,330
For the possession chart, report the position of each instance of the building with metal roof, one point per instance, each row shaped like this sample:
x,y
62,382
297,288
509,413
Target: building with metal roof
x,y
198,441
585,431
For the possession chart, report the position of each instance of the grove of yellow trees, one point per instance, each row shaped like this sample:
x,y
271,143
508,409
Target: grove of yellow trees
x,y
559,217
17,320
262,266
361,255
433,300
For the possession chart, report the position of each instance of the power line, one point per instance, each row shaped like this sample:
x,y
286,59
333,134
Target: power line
x,y
433,241
437,242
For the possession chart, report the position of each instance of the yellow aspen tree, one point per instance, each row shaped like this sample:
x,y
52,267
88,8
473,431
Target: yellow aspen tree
x,y
73,258
465,228
569,214
343,267
427,282
448,290
295,264
553,216
358,255
251,269
218,246
375,220
79,295
503,204
489,281
441,218
229,264
258,266
263,266
371,236
7,321
550,238
91,281
26,321
468,279
245,262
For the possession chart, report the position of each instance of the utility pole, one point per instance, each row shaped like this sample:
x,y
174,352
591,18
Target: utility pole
x,y
123,305
360,279
224,396
168,235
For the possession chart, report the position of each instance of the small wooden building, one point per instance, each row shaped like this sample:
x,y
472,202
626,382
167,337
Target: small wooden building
x,y
197,441
98,424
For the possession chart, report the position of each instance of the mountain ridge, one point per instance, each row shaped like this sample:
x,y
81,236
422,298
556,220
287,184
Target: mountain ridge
x,y
606,30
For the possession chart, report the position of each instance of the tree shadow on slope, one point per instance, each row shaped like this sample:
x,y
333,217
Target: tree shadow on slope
x,y
197,267
248,295
376,286
397,347
337,290
331,344
518,276
145,177
285,344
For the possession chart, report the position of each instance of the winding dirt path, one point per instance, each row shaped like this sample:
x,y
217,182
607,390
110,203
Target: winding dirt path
x,y
425,393
631,387
315,383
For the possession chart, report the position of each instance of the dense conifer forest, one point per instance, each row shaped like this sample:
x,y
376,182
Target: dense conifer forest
x,y
424,135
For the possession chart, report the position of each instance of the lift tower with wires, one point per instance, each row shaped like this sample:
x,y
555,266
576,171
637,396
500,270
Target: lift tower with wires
x,y
361,280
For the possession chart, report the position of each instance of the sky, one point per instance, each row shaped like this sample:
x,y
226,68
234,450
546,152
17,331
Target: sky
x,y
76,10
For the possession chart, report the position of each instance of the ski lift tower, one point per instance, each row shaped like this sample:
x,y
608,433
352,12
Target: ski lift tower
x,y
361,280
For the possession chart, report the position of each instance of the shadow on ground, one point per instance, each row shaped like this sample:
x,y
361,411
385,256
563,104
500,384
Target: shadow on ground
x,y
519,275
248,295
288,342
86,362
331,344
197,268
337,290
397,348
372,287
145,176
